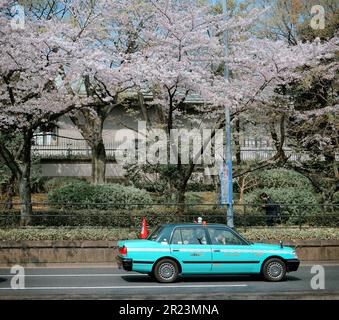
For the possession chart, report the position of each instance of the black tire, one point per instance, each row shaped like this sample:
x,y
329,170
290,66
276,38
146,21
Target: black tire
x,y
257,276
274,270
166,271
151,275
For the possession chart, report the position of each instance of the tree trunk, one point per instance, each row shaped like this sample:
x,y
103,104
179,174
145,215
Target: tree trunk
x,y
98,163
25,182
237,142
91,127
25,197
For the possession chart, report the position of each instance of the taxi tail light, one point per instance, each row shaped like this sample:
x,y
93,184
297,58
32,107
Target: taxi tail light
x,y
123,250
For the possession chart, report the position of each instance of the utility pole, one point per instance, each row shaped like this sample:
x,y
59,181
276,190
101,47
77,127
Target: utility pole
x,y
226,184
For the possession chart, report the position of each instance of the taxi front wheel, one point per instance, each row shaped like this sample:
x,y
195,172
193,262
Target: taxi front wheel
x,y
166,270
274,269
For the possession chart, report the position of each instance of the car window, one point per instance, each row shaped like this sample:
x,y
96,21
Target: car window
x,y
164,235
186,236
155,233
222,236
160,234
176,237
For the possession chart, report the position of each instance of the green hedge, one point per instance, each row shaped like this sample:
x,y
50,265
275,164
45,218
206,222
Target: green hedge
x,y
296,203
70,234
111,234
59,182
282,178
83,195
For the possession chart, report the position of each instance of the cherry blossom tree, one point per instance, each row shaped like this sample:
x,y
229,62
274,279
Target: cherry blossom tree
x,y
85,56
39,62
112,28
116,34
184,58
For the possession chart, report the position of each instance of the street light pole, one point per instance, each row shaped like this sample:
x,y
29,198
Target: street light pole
x,y
227,163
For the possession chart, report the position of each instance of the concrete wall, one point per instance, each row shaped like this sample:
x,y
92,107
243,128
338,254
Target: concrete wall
x,y
74,169
104,251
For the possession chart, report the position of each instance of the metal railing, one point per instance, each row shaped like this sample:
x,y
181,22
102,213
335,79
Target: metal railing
x,y
66,147
85,152
129,215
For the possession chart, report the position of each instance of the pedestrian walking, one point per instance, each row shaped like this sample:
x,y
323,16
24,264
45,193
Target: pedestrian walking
x,y
272,209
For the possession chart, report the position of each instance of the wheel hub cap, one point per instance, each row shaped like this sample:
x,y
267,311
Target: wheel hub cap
x,y
275,270
166,271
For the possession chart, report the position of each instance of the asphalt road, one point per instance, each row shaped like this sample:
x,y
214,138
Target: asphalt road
x,y
112,283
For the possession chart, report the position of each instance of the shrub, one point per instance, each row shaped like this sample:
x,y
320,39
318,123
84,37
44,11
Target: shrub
x,y
59,182
35,234
200,187
290,234
295,203
113,234
83,195
282,178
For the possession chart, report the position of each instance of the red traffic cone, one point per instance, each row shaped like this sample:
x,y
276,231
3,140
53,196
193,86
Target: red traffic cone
x,y
144,230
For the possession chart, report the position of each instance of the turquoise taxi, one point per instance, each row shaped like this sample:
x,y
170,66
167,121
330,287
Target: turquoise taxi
x,y
174,250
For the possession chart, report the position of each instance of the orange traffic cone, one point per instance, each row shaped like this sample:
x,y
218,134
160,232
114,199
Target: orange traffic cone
x,y
144,230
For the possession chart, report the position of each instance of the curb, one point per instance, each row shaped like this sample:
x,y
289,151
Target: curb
x,y
305,295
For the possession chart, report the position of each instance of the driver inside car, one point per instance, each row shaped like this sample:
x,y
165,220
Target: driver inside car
x,y
198,237
218,238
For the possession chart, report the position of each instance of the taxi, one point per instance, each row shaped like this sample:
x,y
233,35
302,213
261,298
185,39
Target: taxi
x,y
174,250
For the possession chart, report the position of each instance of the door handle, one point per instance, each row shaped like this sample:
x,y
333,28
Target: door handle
x,y
176,250
217,250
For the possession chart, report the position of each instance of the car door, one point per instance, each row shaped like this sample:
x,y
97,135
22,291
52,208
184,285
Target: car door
x,y
190,245
230,253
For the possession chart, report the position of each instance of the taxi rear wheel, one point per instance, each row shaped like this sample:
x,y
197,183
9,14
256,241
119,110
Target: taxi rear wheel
x,y
274,269
166,270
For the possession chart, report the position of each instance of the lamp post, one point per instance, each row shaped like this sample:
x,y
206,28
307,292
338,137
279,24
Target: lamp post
x,y
226,187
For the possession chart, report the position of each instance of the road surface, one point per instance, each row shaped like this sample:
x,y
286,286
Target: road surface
x,y
111,283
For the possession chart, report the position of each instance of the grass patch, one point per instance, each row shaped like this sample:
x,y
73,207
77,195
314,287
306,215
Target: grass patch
x,y
64,233
113,234
290,234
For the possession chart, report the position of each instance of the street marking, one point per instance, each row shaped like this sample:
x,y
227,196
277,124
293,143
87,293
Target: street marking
x,y
129,287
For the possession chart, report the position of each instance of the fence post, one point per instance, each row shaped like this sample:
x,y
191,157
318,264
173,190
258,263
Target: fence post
x,y
245,216
300,223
